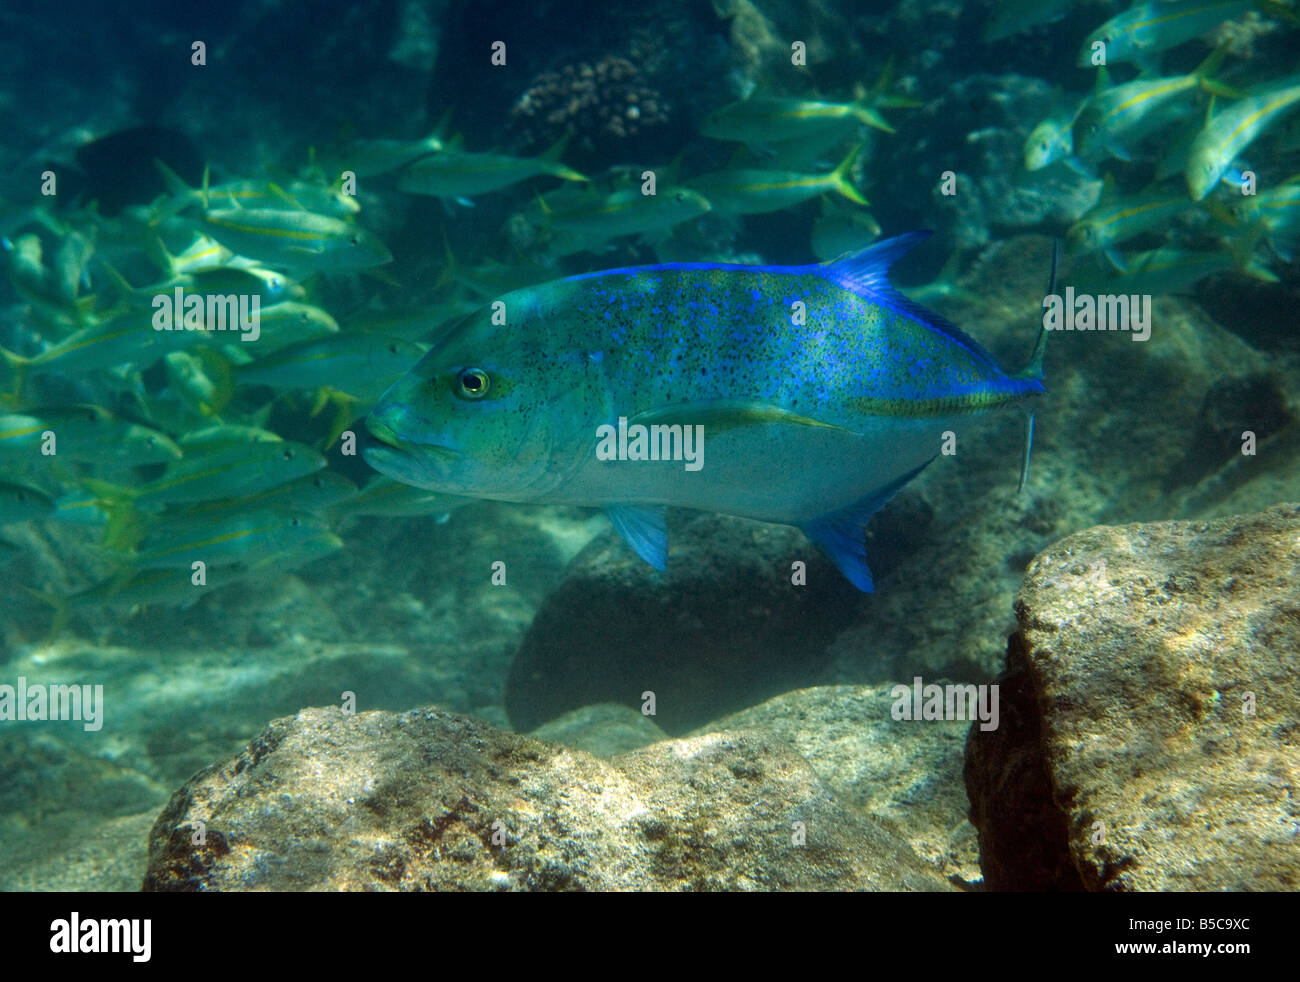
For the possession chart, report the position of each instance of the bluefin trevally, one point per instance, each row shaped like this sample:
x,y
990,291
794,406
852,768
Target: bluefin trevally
x,y
821,391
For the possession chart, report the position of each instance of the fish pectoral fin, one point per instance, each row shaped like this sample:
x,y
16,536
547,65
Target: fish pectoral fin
x,y
643,528
840,533
726,414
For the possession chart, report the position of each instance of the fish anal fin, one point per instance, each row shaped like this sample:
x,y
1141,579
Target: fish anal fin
x,y
840,534
643,528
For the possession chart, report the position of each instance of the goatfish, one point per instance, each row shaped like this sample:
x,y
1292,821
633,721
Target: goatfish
x,y
175,587
44,289
569,226
767,119
369,158
249,193
226,471
292,239
1274,214
753,192
362,365
1115,219
817,391
1152,26
312,493
1122,116
1052,139
1234,129
1169,270
456,173
382,497
84,433
217,540
129,337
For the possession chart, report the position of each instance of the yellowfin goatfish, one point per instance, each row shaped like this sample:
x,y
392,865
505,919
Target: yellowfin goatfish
x,y
299,241
753,192
1152,26
1275,213
312,493
1116,219
42,288
768,119
693,385
241,537
1051,140
82,433
1234,129
570,225
1168,270
129,338
362,365
455,173
1122,116
227,471
368,158
383,497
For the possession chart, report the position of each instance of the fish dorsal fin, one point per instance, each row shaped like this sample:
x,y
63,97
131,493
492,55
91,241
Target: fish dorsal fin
x,y
866,273
284,196
643,528
555,151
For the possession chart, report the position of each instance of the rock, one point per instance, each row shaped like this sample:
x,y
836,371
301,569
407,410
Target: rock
x,y
1153,736
907,773
604,730
428,800
721,629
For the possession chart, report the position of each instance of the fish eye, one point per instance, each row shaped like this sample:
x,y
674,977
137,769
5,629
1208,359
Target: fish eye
x,y
392,349
287,455
295,522
473,383
355,240
150,441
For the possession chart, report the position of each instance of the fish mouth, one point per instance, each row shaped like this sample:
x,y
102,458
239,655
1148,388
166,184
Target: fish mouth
x,y
384,433
423,465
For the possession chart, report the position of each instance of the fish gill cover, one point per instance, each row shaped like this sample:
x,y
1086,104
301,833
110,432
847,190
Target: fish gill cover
x,y
621,374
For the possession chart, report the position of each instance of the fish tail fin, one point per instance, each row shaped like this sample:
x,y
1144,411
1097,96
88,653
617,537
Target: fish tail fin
x,y
1034,370
438,135
864,109
1205,70
840,178
552,154
182,194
